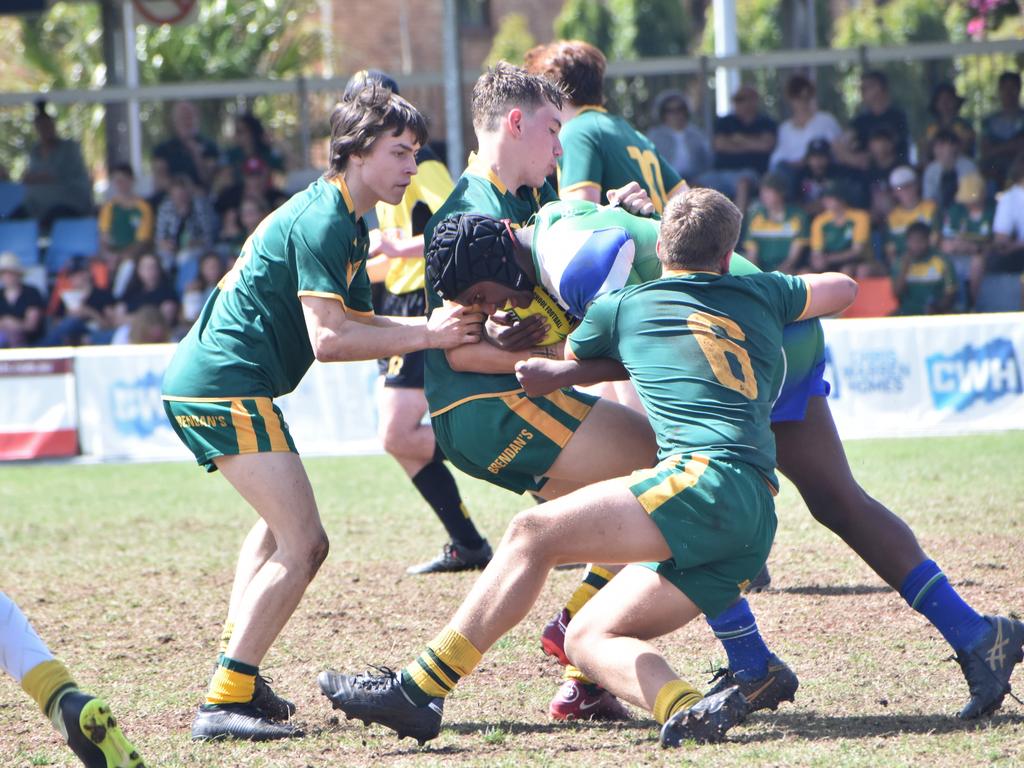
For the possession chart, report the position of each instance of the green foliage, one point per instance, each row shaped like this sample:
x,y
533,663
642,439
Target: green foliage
x,y
512,40
232,39
585,20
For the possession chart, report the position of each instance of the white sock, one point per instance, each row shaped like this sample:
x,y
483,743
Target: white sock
x,y
20,647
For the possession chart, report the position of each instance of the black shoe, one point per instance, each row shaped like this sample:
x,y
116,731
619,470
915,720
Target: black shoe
x,y
707,720
379,698
274,707
778,684
761,582
93,735
455,557
238,721
988,666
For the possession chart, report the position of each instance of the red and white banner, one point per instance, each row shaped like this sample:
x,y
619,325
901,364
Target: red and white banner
x,y
37,405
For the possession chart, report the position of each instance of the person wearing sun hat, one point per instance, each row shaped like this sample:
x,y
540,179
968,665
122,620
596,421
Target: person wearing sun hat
x,y
21,306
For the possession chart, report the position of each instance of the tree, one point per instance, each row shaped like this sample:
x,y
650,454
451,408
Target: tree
x,y
512,40
232,39
585,20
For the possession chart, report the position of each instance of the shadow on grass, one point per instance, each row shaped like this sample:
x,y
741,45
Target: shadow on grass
x,y
811,727
831,590
513,728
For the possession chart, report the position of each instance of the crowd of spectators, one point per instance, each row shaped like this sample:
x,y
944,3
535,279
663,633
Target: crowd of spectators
x,y
935,214
158,256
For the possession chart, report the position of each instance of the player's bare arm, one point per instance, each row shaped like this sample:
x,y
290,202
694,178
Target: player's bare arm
x,y
541,376
828,294
337,337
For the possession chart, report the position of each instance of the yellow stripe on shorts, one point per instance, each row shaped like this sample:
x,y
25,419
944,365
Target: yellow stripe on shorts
x,y
242,422
544,423
574,408
272,422
675,483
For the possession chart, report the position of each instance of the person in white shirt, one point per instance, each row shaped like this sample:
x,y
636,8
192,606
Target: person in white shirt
x,y
806,124
942,176
1007,254
677,140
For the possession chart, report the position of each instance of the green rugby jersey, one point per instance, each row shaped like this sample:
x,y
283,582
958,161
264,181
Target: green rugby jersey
x,y
702,350
478,190
960,222
250,338
606,152
126,225
773,238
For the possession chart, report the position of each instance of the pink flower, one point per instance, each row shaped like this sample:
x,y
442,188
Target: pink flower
x,y
976,27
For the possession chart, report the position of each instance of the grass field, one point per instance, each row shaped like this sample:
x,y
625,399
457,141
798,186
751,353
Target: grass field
x,y
125,571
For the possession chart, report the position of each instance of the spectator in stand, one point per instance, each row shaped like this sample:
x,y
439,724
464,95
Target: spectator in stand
x,y
150,286
1002,133
680,142
187,152
805,125
84,312
251,143
21,306
161,183
876,192
776,233
1007,252
239,223
743,143
147,326
877,112
942,176
257,181
125,224
923,281
185,223
945,109
966,227
840,235
56,180
818,170
909,208
211,270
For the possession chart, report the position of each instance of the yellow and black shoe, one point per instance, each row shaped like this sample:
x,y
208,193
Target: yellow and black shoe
x,y
93,734
707,721
238,721
988,666
778,684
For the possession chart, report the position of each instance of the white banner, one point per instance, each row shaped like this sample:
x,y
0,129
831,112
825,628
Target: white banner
x,y
37,404
917,376
333,411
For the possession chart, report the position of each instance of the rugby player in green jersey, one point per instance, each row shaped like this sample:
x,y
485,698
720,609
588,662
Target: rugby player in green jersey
x,y
579,251
601,151
702,347
297,293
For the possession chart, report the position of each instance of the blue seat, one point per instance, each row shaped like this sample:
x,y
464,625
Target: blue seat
x,y
70,238
21,236
1000,292
12,195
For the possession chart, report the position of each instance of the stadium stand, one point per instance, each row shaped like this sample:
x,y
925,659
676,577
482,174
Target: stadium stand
x,y
12,195
71,237
21,237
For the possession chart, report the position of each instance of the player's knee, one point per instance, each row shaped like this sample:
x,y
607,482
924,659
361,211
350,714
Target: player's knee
x,y
319,546
394,436
579,635
529,530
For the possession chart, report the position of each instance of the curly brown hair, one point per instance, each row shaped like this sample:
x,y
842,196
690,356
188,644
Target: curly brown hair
x,y
576,65
505,86
358,120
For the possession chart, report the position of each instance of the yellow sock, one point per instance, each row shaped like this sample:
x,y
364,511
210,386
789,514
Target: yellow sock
x,y
436,671
595,578
674,696
225,635
575,673
232,683
44,681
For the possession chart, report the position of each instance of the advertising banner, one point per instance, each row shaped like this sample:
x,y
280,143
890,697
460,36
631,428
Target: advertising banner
x,y
37,405
918,376
122,416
